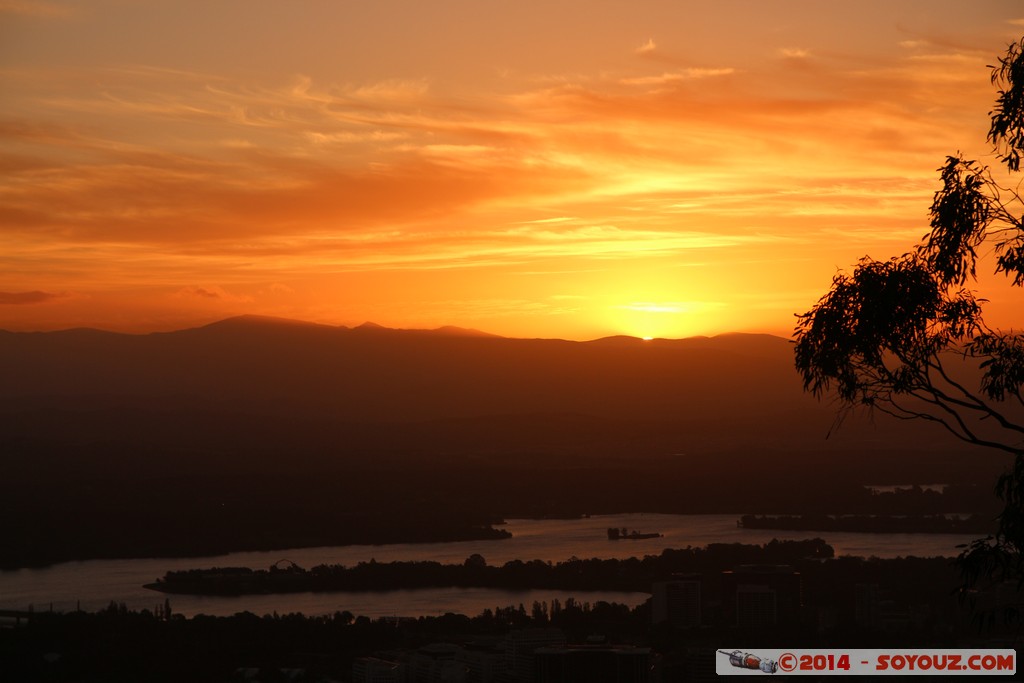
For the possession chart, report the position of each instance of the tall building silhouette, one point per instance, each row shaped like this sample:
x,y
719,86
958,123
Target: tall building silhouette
x,y
592,663
757,596
677,601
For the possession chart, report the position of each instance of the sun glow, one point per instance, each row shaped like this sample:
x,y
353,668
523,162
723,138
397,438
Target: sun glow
x,y
663,319
630,179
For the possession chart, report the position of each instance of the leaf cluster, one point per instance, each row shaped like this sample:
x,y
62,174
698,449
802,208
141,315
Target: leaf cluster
x,y
883,333
876,331
1006,133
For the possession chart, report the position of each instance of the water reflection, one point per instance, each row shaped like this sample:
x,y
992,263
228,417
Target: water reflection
x,y
95,583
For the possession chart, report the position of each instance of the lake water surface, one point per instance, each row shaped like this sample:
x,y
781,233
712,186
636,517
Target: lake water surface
x,y
94,583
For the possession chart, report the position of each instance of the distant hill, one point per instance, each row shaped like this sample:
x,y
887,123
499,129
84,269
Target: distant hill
x,y
258,432
735,388
371,372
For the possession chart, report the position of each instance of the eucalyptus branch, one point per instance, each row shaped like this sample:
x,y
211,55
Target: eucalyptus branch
x,y
975,403
893,409
883,335
967,435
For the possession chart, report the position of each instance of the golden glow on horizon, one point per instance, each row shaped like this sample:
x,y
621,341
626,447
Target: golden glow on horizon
x,y
666,320
677,168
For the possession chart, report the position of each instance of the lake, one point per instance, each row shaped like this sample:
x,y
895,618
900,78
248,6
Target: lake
x,y
93,584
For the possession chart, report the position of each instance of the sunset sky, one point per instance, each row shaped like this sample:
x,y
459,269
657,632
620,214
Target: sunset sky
x,y
566,168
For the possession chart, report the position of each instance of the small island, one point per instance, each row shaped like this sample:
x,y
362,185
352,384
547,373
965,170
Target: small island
x,y
633,574
616,534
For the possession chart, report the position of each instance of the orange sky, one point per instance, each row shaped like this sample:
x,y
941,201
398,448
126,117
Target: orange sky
x,y
559,169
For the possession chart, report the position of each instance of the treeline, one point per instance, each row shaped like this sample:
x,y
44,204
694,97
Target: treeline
x,y
885,524
632,574
918,500
121,645
117,644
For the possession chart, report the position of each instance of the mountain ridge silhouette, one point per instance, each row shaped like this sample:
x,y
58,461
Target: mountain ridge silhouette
x,y
736,389
256,433
382,373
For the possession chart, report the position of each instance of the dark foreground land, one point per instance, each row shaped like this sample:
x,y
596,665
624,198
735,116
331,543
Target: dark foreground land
x,y
256,434
821,602
118,645
882,524
68,498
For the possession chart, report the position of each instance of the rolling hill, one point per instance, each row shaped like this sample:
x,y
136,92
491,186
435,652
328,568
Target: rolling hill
x,y
264,432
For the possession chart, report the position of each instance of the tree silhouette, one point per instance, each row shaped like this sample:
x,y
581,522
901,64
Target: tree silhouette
x,y
907,337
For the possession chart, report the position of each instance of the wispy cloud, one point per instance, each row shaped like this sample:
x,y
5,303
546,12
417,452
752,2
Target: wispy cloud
x,y
171,177
410,155
29,298
794,52
673,77
214,293
36,8
672,307
647,48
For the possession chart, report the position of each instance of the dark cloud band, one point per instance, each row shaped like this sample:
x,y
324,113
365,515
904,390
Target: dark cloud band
x,y
25,298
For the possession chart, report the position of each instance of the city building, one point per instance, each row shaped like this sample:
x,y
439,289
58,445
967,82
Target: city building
x,y
375,670
677,601
761,596
592,663
520,646
482,662
436,663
